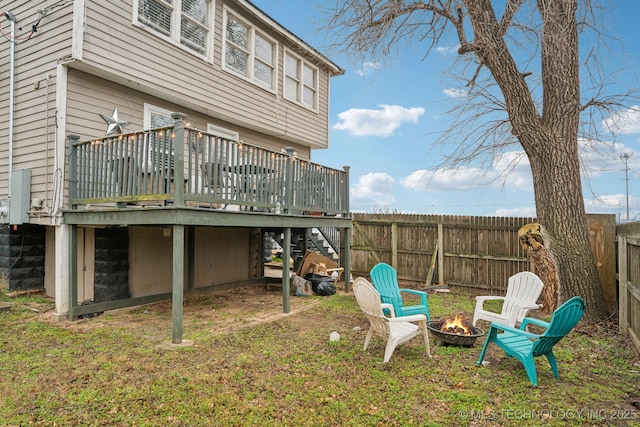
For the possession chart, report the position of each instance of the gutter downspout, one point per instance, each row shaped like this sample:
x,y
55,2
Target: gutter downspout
x,y
12,59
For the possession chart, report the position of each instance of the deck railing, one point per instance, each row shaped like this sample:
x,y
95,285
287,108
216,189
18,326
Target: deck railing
x,y
190,167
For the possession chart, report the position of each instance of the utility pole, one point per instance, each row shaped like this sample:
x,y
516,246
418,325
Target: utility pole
x,y
625,158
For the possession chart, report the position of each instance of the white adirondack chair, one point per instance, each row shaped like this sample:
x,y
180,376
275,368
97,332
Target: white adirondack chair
x,y
523,291
397,329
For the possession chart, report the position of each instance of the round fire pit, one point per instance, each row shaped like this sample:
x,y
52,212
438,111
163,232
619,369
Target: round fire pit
x,y
453,338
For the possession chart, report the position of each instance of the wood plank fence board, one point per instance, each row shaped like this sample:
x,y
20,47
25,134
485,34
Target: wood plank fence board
x,y
483,252
629,287
474,252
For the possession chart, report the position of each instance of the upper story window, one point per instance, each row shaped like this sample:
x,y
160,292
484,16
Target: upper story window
x,y
184,21
300,81
248,52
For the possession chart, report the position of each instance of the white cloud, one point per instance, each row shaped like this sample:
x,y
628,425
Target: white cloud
x,y
382,122
458,179
624,122
599,157
367,67
375,188
455,93
510,170
606,203
447,50
615,204
513,171
528,212
418,180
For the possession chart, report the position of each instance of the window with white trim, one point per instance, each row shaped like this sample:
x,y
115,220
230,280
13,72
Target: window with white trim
x,y
156,117
159,157
300,81
248,52
225,156
187,22
222,132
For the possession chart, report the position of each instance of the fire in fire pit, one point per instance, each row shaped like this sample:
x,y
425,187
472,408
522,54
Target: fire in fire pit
x,y
458,325
455,331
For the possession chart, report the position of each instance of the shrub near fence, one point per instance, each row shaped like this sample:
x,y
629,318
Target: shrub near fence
x,y
470,251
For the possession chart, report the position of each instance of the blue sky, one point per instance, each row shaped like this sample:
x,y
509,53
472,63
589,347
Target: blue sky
x,y
386,118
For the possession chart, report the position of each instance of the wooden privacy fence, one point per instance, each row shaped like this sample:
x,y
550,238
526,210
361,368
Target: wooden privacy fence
x,y
629,283
469,251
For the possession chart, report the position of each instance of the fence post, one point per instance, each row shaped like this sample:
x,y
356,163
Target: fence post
x,y
394,245
178,155
73,168
440,254
623,319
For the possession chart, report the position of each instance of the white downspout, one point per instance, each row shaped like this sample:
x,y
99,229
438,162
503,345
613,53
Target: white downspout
x,y
62,231
12,60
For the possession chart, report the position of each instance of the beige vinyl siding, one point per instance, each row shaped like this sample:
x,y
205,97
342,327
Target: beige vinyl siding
x,y
152,275
34,94
89,96
133,54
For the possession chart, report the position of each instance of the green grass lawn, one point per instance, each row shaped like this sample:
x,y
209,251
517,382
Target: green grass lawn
x,y
113,371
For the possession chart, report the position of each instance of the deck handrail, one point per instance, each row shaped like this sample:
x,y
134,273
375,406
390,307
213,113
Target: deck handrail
x,y
142,167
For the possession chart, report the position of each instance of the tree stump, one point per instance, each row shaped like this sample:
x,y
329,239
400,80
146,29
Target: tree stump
x,y
535,240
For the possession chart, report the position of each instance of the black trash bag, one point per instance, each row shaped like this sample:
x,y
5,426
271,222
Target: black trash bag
x,y
326,288
320,279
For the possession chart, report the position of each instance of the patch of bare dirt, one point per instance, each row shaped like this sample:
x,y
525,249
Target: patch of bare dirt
x,y
218,311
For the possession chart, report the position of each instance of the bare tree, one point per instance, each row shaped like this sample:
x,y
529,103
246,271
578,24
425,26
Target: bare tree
x,y
526,65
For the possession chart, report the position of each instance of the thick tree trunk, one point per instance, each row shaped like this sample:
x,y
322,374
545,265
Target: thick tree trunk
x,y
550,139
560,210
556,170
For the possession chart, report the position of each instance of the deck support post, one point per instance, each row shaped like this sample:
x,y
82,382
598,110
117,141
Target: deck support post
x,y
73,266
346,257
286,285
178,284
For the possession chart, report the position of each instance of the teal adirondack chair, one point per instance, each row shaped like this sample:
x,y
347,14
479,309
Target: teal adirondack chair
x,y
385,280
525,346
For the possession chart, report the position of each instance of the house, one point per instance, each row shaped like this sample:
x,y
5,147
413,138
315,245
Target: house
x,y
148,147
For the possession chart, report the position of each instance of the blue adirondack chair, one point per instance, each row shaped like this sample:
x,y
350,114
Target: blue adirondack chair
x,y
525,346
385,280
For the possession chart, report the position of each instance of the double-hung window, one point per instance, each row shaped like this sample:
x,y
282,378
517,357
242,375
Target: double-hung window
x,y
249,52
300,81
187,22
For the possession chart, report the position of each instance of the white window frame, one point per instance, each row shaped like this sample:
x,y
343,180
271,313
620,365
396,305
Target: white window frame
x,y
149,109
222,132
249,74
301,84
225,133
227,158
174,36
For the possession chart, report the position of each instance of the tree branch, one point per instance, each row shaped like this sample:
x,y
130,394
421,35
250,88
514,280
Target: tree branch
x,y
509,12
